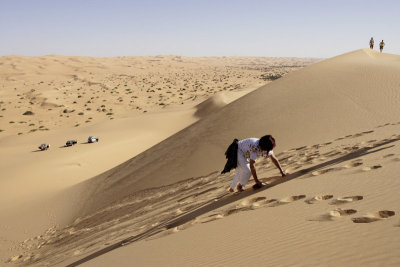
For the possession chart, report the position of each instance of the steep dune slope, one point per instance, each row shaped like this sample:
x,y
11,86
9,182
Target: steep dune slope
x,y
332,98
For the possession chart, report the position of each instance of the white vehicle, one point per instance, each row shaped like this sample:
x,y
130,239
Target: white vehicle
x,y
93,139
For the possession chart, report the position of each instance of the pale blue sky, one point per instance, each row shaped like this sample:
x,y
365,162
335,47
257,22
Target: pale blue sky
x,y
303,28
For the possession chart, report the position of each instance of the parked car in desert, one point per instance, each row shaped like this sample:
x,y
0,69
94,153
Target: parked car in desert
x,y
71,143
44,147
93,139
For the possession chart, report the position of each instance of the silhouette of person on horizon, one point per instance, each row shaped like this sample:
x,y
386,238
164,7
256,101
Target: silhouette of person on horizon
x,y
381,45
371,43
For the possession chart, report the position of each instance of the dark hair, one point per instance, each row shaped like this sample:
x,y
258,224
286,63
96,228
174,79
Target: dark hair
x,y
267,143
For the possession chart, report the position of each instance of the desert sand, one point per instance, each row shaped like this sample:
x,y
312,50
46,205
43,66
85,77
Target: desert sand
x,y
130,103
337,125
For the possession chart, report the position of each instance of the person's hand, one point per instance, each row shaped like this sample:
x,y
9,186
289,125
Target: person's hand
x,y
257,185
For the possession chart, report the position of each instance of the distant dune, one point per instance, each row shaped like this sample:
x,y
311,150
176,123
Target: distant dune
x,y
64,92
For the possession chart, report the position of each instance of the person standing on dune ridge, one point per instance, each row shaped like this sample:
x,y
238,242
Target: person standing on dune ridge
x,y
381,45
371,43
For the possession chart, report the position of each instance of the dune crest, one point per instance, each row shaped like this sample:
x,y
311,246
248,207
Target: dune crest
x,y
211,105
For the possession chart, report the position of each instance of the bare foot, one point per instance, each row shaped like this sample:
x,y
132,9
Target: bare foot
x,y
240,188
231,190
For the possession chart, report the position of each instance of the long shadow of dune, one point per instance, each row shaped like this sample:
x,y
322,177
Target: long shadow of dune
x,y
228,198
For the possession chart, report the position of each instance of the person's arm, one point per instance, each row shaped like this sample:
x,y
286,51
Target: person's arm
x,y
276,162
253,172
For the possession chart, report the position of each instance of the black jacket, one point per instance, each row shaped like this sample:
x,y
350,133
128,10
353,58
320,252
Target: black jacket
x,y
231,155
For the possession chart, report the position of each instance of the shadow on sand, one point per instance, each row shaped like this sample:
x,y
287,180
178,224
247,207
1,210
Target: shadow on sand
x,y
38,150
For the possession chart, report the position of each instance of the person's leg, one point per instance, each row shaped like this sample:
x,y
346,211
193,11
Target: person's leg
x,y
240,171
242,176
235,180
245,175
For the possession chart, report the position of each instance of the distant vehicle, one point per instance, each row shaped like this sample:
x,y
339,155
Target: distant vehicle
x,y
93,139
70,143
44,147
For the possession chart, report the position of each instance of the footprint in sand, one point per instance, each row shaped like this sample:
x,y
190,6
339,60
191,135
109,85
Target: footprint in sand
x,y
235,210
318,198
285,200
336,213
363,133
261,202
344,200
210,218
368,132
333,153
254,203
301,148
293,167
383,125
186,200
388,156
246,204
316,173
353,164
395,137
371,168
373,217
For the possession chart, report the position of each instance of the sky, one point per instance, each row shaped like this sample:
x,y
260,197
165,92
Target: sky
x,y
278,28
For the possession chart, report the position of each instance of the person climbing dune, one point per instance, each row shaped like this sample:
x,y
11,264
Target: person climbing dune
x,y
248,151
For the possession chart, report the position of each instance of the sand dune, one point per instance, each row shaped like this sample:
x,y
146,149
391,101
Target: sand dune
x,y
336,124
337,128
130,103
316,104
321,215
